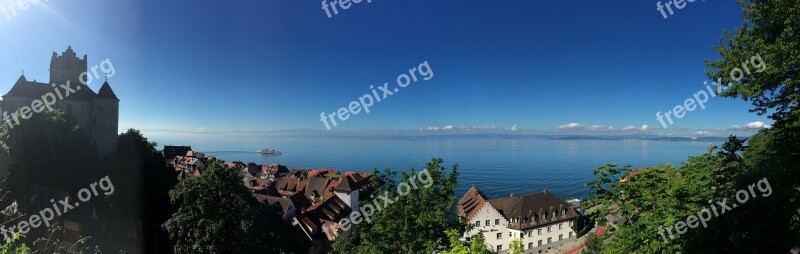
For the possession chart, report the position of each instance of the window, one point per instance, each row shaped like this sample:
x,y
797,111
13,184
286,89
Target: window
x,y
530,234
521,235
561,237
499,235
533,218
549,229
560,225
540,231
554,214
510,235
540,243
564,212
499,247
549,240
497,221
478,223
530,245
487,223
570,233
544,216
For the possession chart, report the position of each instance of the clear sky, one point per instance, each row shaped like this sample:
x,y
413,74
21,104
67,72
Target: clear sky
x,y
276,65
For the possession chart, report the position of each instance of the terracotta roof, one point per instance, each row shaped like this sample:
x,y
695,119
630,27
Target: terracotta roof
x,y
346,185
300,202
290,185
275,169
322,172
271,200
471,203
330,211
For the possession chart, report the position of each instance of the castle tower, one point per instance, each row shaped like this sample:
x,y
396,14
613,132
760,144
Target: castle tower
x,y
67,67
105,120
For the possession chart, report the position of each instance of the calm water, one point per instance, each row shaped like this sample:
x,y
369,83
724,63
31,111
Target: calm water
x,y
499,166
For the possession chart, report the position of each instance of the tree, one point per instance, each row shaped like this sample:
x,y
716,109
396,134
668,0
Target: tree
x,y
593,244
217,214
769,30
144,183
47,141
401,227
516,246
476,245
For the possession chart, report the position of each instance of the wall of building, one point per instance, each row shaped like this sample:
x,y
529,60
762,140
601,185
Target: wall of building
x,y
105,122
351,199
487,212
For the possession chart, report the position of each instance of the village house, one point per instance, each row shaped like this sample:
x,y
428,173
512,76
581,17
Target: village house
x,y
542,220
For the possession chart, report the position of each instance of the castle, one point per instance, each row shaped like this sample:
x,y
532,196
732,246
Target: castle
x,y
96,113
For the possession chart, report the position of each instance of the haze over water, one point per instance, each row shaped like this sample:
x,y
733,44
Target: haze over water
x,y
499,166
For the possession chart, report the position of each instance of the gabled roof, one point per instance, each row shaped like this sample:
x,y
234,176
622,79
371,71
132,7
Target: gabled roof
x,y
330,211
471,203
347,185
524,206
25,88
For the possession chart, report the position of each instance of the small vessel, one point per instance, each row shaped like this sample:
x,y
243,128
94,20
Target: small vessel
x,y
268,151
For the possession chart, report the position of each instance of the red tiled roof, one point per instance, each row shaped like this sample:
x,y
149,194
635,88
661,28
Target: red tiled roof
x,y
471,203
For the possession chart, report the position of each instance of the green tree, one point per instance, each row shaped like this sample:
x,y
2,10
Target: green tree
x,y
516,246
402,227
143,183
770,30
593,244
47,141
217,214
476,245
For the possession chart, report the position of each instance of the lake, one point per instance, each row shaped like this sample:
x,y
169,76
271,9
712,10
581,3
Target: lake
x,y
498,166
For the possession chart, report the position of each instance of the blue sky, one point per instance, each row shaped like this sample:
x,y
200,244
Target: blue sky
x,y
216,66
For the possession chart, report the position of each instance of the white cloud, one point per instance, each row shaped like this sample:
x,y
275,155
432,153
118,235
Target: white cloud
x,y
515,128
596,127
705,133
431,128
754,126
447,127
570,126
644,127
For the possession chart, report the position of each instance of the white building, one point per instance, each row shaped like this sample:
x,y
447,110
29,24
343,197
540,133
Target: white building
x,y
543,220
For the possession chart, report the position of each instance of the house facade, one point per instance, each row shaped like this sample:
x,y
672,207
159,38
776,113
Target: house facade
x,y
542,220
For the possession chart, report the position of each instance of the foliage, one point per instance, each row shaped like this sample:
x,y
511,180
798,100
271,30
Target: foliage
x,y
43,143
401,227
769,29
516,246
217,214
144,183
477,244
593,244
14,245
